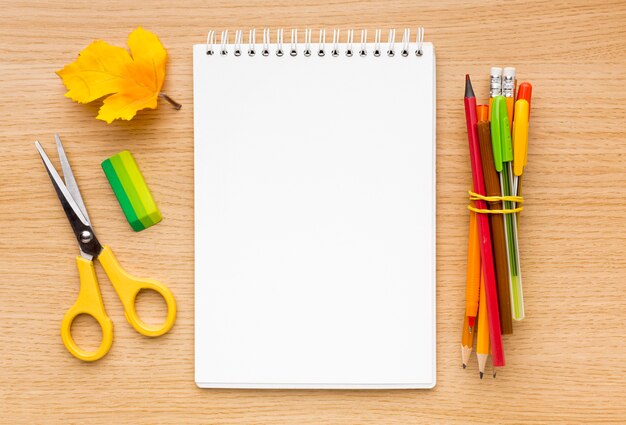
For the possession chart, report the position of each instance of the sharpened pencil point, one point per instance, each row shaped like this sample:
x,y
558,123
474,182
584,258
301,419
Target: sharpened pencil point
x,y
469,91
464,365
481,375
494,374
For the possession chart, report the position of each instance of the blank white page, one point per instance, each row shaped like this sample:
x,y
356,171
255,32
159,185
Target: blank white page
x,y
314,220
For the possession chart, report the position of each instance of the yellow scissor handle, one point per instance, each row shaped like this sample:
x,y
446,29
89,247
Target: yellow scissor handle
x,y
127,288
89,302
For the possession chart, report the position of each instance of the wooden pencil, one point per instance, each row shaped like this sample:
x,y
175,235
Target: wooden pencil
x,y
492,188
472,287
467,341
482,332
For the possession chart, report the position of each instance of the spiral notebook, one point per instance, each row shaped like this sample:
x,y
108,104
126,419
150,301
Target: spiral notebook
x,y
314,210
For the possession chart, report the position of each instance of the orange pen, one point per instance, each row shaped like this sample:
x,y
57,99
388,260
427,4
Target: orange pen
x,y
525,92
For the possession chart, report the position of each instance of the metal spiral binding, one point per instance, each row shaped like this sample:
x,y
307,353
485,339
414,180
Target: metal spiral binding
x,y
211,42
279,42
377,36
392,42
238,37
224,42
294,42
406,37
266,42
307,42
320,50
349,43
363,51
419,40
252,42
335,49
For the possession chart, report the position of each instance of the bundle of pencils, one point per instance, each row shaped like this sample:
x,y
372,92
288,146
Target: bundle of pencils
x,y
498,146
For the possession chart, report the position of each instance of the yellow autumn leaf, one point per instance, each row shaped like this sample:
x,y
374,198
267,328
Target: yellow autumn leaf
x,y
133,83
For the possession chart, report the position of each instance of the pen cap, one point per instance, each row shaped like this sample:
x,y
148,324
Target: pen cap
x,y
495,133
500,133
505,133
520,136
510,110
525,91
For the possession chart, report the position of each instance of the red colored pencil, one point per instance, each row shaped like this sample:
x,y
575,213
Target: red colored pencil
x,y
497,352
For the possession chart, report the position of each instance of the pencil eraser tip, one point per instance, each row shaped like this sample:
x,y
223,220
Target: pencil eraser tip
x,y
509,71
496,70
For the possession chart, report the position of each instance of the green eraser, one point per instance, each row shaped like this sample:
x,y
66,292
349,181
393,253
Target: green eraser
x,y
131,191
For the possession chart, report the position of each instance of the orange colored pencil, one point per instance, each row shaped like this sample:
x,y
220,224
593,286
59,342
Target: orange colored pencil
x,y
467,341
472,284
482,335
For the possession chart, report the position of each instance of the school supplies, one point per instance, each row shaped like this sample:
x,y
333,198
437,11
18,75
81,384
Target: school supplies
x,y
524,93
473,272
485,233
131,191
89,300
508,91
500,152
315,209
482,334
501,142
495,84
520,136
467,341
492,189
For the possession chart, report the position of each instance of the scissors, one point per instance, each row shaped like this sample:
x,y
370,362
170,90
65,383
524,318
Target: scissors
x,y
89,299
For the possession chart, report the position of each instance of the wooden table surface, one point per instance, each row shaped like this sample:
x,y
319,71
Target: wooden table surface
x,y
566,361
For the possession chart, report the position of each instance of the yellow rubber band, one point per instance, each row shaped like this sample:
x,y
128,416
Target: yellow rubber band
x,y
473,196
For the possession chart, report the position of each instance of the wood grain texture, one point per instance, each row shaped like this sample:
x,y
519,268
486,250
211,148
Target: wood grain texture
x,y
566,361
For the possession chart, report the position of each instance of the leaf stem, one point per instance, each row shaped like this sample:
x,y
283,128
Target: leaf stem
x,y
175,104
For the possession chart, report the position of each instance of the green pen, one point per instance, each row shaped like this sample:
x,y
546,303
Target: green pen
x,y
503,157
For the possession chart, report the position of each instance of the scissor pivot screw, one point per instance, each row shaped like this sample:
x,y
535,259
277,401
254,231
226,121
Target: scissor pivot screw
x,y
86,236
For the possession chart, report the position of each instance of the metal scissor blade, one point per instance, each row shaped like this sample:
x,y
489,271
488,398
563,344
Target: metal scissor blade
x,y
87,241
64,195
70,181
